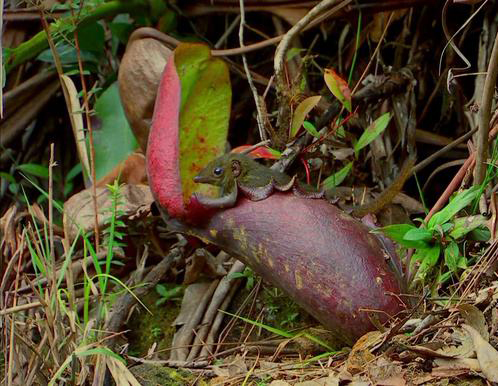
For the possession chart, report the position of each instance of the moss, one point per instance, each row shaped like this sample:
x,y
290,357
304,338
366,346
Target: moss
x,y
152,375
146,329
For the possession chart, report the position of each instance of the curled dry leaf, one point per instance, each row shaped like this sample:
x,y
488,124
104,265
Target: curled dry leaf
x,y
76,119
139,75
79,211
458,363
475,318
486,354
130,171
360,354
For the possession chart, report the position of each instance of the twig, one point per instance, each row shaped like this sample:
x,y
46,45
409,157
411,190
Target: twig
x,y
20,308
1,61
374,54
440,168
211,312
283,46
90,134
229,30
484,114
259,112
442,151
50,213
452,186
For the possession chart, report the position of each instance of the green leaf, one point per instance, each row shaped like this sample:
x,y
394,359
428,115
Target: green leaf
x,y
204,112
428,257
462,262
121,27
271,329
464,225
418,234
161,290
302,110
459,202
451,256
447,227
335,179
75,170
375,129
397,233
310,128
68,55
114,140
293,52
338,87
91,38
8,177
34,170
479,234
168,294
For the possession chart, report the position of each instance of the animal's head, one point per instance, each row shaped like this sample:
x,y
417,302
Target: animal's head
x,y
222,169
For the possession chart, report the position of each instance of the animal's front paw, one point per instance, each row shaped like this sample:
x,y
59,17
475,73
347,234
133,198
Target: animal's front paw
x,y
226,201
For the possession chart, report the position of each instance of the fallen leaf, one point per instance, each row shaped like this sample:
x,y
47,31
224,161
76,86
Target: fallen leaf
x,y
475,318
457,363
302,110
130,171
463,347
486,354
79,210
360,354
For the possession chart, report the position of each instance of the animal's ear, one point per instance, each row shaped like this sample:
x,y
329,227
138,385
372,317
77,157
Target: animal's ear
x,y
236,168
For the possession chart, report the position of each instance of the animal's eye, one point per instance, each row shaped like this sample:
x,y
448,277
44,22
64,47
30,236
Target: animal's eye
x,y
218,171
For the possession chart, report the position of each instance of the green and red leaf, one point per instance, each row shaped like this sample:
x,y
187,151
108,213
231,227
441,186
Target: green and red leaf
x,y
338,87
260,152
189,126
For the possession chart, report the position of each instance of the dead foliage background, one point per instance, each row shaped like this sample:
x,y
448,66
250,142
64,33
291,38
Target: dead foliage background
x,y
118,297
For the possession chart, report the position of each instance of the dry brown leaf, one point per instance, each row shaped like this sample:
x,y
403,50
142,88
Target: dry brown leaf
x,y
385,372
457,363
475,318
237,367
8,223
463,347
279,382
76,119
486,354
130,171
79,211
202,262
139,74
429,352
